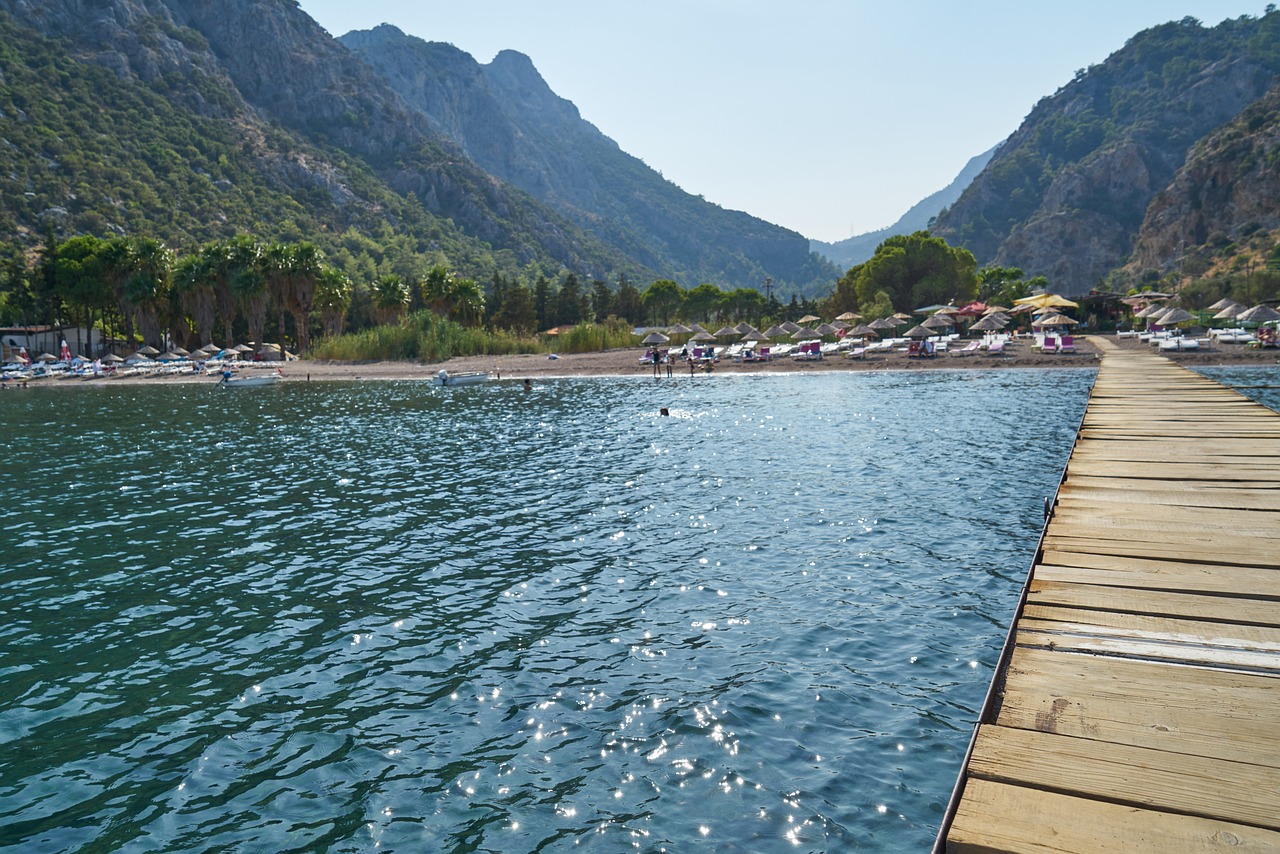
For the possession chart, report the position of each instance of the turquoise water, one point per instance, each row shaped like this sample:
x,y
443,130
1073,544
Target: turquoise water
x,y
334,617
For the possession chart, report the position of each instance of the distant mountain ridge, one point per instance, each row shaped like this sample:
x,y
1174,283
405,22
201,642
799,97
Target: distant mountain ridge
x,y
854,250
1067,194
292,122
510,122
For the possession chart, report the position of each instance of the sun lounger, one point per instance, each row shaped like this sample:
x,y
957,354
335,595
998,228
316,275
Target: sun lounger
x,y
857,353
968,350
1066,344
996,348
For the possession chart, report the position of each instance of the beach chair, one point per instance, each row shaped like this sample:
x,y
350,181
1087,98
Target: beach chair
x,y
968,350
1066,344
996,348
764,355
857,353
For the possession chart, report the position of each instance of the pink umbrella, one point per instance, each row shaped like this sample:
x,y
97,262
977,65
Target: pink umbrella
x,y
65,353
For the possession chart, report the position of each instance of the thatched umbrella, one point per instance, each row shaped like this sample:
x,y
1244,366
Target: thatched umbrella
x,y
789,326
990,323
809,318
848,315
1258,314
1174,316
827,329
655,338
861,331
703,335
889,322
1222,303
920,331
939,321
725,331
804,332
1230,312
776,332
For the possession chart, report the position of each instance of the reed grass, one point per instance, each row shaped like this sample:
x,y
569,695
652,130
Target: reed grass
x,y
422,336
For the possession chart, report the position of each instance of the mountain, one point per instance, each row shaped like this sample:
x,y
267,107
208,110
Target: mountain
x,y
190,120
854,250
1066,194
506,118
1225,195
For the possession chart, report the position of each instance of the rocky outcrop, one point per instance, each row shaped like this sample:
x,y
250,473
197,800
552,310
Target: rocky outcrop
x,y
1230,183
505,117
1068,191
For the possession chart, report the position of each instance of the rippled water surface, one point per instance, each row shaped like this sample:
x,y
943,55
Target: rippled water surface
x,y
337,617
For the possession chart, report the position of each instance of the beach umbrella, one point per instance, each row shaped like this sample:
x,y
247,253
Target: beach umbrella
x,y
46,358
1055,320
1046,300
920,331
1148,311
1175,316
703,335
827,329
861,331
804,332
1258,314
1222,303
789,326
743,328
885,323
655,338
112,358
848,315
808,318
839,324
149,351
725,331
1230,312
179,351
750,331
775,332
902,316
65,351
995,309
939,321
679,329
990,323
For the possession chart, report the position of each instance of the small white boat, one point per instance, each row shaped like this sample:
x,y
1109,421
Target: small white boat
x,y
444,378
250,382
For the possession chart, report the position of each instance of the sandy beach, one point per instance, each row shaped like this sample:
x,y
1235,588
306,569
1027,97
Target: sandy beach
x,y
626,362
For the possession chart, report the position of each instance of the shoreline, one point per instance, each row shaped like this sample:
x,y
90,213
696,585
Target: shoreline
x,y
626,363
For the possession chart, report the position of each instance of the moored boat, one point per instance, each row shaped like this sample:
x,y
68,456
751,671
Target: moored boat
x,y
249,382
444,378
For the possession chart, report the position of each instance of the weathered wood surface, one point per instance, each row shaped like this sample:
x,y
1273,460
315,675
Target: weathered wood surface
x,y
1141,707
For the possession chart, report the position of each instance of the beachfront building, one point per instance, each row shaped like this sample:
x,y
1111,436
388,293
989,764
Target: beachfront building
x,y
48,339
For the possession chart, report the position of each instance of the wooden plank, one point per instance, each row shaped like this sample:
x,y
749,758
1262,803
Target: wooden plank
x,y
1222,609
1198,711
1055,618
1137,776
1201,552
1119,571
1147,494
996,817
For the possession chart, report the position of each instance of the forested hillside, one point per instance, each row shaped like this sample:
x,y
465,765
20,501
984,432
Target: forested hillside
x,y
1066,194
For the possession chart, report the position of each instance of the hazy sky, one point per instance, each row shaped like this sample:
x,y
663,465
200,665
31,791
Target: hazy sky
x,y
830,117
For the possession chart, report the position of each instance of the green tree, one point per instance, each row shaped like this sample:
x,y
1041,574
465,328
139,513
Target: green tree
x,y
703,303
916,270
628,304
468,302
333,299
601,301
663,300
390,299
518,312
542,305
569,302
193,285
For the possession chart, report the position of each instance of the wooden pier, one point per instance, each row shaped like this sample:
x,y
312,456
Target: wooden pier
x,y
1137,707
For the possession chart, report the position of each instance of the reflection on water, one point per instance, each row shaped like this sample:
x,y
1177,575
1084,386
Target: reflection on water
x,y
332,616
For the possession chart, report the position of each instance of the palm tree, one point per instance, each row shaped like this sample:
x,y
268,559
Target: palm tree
x,y
333,298
305,269
468,301
193,284
390,298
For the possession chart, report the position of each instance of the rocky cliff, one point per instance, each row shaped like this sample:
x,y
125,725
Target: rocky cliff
x,y
1229,185
506,118
1068,191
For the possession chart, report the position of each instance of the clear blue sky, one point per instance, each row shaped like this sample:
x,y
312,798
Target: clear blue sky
x,y
830,117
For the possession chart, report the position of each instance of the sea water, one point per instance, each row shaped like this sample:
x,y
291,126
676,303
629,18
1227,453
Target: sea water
x,y
386,616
